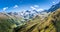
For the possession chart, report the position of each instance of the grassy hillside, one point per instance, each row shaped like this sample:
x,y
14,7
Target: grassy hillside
x,y
49,24
56,19
8,24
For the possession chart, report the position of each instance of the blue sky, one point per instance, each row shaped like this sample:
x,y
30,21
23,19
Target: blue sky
x,y
20,5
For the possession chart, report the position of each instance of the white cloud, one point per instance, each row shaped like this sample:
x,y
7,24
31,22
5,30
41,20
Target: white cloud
x,y
40,9
32,7
16,6
36,6
54,2
5,8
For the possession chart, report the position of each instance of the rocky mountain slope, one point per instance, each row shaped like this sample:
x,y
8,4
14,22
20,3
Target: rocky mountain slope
x,y
49,24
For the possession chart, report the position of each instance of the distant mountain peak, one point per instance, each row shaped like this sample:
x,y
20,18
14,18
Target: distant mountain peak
x,y
54,7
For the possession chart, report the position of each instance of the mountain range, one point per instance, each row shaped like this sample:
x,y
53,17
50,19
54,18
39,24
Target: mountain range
x,y
31,14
